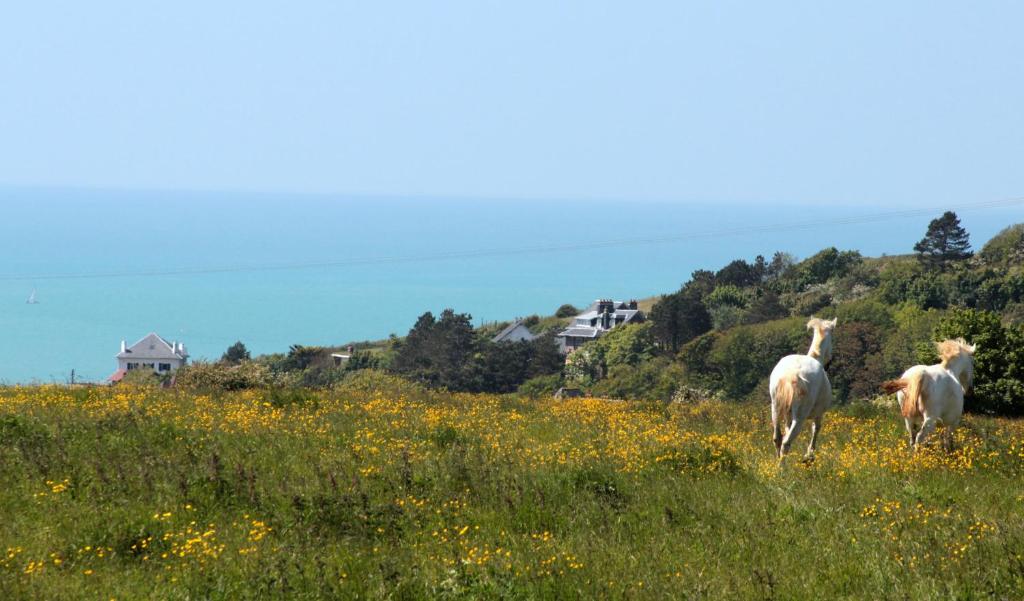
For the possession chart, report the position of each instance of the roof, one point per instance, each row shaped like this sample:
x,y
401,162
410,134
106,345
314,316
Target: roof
x,y
515,325
580,331
153,346
117,376
580,327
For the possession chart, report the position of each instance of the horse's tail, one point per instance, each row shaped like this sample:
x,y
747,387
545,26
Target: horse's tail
x,y
790,388
913,397
892,386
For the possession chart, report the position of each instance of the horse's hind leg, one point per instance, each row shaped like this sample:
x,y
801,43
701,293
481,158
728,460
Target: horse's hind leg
x,y
777,438
910,430
791,433
815,428
926,429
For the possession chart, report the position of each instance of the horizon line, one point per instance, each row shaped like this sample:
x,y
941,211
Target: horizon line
x,y
398,196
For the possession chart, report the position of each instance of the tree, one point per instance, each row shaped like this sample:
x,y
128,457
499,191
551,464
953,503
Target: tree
x,y
235,354
678,318
823,266
944,242
438,351
300,357
701,283
545,358
566,310
780,265
857,365
740,273
765,308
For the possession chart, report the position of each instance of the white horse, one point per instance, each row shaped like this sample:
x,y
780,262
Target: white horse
x,y
930,394
800,390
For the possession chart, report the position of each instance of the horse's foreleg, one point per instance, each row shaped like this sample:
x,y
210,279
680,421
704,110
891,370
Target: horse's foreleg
x,y
947,438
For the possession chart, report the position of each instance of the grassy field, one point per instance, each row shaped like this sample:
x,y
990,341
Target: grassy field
x,y
382,490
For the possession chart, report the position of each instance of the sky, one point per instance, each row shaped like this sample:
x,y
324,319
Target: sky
x,y
883,103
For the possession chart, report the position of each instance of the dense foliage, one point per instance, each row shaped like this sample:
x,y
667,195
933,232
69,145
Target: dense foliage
x,y
722,332
447,352
726,329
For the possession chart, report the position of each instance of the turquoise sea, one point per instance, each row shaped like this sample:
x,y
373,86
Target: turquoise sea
x,y
99,261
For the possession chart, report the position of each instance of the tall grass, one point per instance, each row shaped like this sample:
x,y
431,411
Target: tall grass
x,y
381,489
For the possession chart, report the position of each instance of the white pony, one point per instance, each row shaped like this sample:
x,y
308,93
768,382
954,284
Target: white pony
x,y
800,389
929,394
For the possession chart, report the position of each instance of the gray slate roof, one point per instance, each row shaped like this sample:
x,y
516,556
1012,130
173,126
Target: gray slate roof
x,y
502,335
153,346
581,323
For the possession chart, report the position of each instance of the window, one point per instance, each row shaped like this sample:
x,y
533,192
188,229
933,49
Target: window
x,y
149,365
165,367
133,366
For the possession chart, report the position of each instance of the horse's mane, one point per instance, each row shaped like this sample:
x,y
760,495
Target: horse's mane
x,y
816,323
952,348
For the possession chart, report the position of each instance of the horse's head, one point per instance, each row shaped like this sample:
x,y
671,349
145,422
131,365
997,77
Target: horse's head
x,y
958,357
821,344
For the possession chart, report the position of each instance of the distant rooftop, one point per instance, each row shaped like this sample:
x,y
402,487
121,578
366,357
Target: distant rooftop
x,y
152,346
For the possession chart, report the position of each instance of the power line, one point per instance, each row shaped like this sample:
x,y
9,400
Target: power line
x,y
539,249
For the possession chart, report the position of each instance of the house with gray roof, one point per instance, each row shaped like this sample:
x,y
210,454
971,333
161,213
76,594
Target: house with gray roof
x,y
152,352
515,332
600,317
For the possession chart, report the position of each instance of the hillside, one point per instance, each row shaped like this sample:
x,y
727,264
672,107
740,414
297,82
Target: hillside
x,y
720,334
383,489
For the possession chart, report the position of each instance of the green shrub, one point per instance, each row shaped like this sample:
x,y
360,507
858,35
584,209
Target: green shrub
x,y
1006,247
541,386
812,302
865,310
913,332
827,264
201,375
736,361
652,380
631,344
998,361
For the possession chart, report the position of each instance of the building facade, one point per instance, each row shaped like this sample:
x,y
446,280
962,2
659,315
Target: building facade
x,y
153,353
600,317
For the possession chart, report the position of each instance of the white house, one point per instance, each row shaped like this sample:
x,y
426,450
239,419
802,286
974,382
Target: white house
x,y
601,316
152,352
515,332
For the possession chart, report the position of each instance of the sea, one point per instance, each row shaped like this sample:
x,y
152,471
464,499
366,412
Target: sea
x,y
272,270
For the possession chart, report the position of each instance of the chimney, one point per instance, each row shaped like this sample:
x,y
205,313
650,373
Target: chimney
x,y
123,346
351,349
633,305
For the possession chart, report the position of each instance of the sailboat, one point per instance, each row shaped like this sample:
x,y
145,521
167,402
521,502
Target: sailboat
x,y
32,298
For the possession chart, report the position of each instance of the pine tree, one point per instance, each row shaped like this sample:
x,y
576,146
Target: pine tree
x,y
946,241
236,353
678,318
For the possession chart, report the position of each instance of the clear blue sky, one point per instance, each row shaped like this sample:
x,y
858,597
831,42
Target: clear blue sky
x,y
882,102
